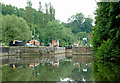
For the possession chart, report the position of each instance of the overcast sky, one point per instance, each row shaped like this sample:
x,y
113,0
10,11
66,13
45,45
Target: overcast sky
x,y
63,8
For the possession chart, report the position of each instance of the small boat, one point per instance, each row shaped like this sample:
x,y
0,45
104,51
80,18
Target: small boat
x,y
17,43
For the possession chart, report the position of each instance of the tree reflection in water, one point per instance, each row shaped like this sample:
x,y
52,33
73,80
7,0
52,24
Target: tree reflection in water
x,y
106,71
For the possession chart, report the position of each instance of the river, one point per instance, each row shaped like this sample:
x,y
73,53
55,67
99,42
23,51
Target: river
x,y
75,68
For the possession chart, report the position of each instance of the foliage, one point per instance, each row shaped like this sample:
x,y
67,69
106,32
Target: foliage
x,y
35,19
107,25
8,9
87,25
105,40
14,28
78,23
105,71
82,35
46,25
29,13
55,30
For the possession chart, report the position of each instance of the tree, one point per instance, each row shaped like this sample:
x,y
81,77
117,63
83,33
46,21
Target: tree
x,y
105,40
107,24
75,21
46,15
82,35
40,16
29,14
8,9
44,24
51,12
87,25
20,13
55,30
40,7
14,28
78,23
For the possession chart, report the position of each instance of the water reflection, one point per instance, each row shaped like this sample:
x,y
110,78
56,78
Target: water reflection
x,y
66,79
106,71
68,68
77,68
80,72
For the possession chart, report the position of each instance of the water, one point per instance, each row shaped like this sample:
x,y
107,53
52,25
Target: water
x,y
67,69
77,68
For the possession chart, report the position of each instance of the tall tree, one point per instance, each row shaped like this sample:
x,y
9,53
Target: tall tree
x,y
106,37
14,28
51,12
40,6
46,16
29,14
40,16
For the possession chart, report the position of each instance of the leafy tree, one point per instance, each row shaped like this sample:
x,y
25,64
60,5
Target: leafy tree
x,y
106,71
75,21
46,16
40,16
87,25
107,24
29,16
105,39
55,30
78,23
14,28
44,23
82,35
40,6
20,12
51,12
8,9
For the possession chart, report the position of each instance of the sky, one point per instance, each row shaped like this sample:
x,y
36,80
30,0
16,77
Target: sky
x,y
63,8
